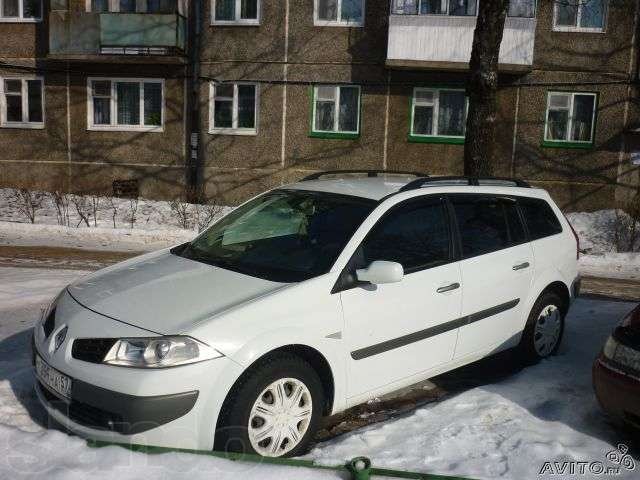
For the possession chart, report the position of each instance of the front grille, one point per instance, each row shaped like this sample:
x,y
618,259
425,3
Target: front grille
x,y
91,350
49,323
84,414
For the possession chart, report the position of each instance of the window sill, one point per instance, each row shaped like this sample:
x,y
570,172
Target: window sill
x,y
233,131
578,30
436,139
235,23
20,20
124,128
335,135
24,126
579,145
330,23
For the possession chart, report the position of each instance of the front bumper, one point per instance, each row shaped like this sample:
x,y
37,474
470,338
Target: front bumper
x,y
101,409
173,407
617,392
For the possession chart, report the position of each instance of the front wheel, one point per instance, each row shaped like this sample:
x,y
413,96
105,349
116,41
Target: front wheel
x,y
273,410
544,329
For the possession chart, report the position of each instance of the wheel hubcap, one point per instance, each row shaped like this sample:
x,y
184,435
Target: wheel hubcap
x,y
280,417
547,331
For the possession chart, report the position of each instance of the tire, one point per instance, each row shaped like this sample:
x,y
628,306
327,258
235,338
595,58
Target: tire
x,y
260,415
544,329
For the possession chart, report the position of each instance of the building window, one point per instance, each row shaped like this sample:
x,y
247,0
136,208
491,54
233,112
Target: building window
x,y
20,10
339,13
580,15
570,119
241,12
336,111
125,104
134,6
438,115
464,8
522,8
233,108
21,103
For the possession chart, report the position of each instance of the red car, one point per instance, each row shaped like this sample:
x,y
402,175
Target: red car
x,y
616,372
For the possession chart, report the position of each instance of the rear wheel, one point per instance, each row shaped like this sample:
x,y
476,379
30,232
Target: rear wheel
x,y
544,329
273,410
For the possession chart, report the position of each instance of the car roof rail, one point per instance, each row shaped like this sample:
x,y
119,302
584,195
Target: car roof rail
x,y
464,181
368,173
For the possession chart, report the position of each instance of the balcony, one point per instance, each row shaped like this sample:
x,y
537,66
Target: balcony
x,y
81,35
444,42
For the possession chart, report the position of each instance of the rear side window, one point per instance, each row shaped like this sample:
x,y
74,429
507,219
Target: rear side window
x,y
540,219
416,235
487,224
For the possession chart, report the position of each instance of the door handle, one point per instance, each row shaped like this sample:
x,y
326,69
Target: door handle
x,y
448,288
521,266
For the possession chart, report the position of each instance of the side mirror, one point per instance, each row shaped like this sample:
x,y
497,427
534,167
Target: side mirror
x,y
380,272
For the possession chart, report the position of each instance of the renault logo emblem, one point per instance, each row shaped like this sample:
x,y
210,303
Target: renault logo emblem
x,y
59,340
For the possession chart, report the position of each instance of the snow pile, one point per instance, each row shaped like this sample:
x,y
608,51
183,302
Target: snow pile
x,y
600,258
504,429
154,225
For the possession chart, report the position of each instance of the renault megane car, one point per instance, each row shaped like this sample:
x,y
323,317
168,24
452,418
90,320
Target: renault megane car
x,y
302,302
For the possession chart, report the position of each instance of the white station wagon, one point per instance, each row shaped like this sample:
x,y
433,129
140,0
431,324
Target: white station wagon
x,y
302,302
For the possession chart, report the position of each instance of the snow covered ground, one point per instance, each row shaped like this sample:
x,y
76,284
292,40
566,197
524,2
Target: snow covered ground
x,y
504,429
155,226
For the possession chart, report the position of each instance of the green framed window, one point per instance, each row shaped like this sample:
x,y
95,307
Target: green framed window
x,y
438,115
570,119
335,111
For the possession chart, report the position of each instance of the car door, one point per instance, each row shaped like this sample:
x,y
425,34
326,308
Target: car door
x,y
394,332
496,269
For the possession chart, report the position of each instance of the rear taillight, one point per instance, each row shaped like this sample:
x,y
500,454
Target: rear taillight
x,y
577,238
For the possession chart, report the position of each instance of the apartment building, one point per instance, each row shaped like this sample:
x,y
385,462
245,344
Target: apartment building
x,y
288,87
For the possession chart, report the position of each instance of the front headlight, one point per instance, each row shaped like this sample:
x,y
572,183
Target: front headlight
x,y
621,354
159,352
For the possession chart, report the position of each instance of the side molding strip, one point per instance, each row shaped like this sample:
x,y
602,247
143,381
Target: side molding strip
x,y
431,331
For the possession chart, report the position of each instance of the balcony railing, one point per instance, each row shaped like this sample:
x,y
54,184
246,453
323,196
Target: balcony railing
x,y
80,33
440,41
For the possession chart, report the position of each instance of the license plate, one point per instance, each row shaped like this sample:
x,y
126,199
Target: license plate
x,y
53,379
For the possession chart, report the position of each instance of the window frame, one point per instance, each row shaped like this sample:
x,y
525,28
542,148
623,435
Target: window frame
x,y
234,111
577,28
337,134
24,93
435,138
21,18
570,143
113,106
237,21
338,22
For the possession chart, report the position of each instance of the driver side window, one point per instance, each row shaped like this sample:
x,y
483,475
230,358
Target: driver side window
x,y
416,235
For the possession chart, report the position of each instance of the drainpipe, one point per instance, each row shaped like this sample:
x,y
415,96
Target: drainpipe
x,y
194,161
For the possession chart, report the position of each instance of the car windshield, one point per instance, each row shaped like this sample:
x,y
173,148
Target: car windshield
x,y
282,236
